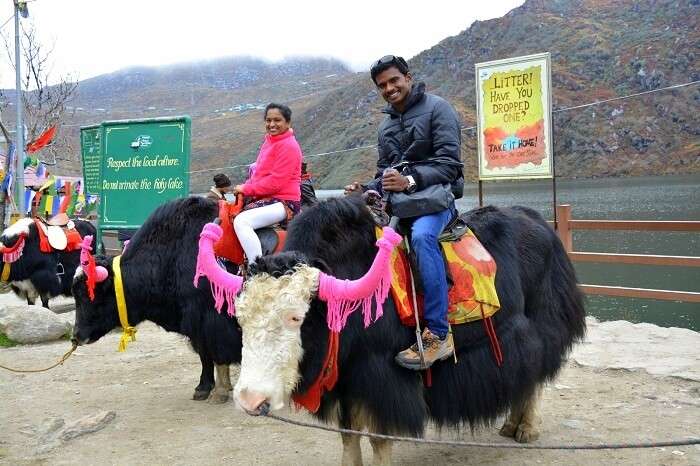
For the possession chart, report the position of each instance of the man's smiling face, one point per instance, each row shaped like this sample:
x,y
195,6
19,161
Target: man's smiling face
x,y
394,86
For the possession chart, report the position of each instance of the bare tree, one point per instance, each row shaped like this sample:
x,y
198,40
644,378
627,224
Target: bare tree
x,y
44,104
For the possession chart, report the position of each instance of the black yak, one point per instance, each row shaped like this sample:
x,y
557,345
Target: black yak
x,y
35,273
157,270
286,331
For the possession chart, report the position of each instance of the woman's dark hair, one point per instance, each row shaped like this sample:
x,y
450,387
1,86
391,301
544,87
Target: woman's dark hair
x,y
284,110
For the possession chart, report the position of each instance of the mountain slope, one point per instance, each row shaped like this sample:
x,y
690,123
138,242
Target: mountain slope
x,y
600,50
224,98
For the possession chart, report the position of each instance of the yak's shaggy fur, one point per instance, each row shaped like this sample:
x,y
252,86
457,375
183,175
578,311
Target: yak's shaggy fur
x,y
40,274
157,271
541,316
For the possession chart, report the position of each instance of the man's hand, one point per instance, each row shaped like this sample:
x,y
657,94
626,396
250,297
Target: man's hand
x,y
394,181
353,187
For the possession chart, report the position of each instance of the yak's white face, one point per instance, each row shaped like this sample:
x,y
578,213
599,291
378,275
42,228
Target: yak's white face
x,y
270,312
17,228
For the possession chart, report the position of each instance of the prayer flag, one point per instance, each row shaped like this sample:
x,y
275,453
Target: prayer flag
x,y
67,198
47,202
42,140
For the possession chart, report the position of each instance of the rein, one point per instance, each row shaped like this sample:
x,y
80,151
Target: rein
x,y
129,333
265,411
59,363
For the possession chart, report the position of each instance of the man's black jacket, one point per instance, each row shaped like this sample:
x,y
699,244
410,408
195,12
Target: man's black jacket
x,y
427,136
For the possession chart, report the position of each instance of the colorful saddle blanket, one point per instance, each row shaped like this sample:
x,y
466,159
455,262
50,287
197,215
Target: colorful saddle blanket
x,y
472,270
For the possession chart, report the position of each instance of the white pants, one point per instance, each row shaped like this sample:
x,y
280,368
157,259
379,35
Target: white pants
x,y
248,221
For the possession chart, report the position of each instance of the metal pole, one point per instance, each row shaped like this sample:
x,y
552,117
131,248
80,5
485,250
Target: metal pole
x,y
19,150
481,194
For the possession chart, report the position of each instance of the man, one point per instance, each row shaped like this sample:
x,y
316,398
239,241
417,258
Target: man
x,y
222,185
422,132
308,193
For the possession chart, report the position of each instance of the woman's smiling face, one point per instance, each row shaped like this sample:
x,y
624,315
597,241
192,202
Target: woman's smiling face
x,y
275,122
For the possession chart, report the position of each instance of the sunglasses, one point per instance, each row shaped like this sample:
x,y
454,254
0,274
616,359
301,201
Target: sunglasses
x,y
391,59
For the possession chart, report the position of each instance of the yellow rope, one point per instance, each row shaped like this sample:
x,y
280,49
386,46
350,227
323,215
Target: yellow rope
x,y
6,272
60,362
129,331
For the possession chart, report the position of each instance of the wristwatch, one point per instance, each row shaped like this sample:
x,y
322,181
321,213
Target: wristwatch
x,y
411,184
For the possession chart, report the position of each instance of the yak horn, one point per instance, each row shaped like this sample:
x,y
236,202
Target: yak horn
x,y
224,285
344,296
93,273
87,259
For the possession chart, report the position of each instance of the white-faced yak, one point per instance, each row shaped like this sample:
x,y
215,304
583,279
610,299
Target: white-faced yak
x,y
287,343
32,272
157,270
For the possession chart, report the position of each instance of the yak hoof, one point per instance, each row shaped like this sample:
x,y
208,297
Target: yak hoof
x,y
508,429
218,398
200,395
522,433
526,433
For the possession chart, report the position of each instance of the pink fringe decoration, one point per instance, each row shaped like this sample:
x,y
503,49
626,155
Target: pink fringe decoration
x,y
345,296
10,255
224,286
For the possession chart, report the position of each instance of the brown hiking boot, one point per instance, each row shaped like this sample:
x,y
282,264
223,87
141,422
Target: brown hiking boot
x,y
434,349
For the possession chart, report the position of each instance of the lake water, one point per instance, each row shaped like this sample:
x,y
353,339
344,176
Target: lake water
x,y
643,198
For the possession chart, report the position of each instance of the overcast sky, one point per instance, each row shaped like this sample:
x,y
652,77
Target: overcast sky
x,y
92,37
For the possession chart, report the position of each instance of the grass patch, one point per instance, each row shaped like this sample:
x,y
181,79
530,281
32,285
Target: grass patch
x,y
6,342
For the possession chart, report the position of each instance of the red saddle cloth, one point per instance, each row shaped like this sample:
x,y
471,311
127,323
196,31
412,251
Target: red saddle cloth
x,y
228,246
72,236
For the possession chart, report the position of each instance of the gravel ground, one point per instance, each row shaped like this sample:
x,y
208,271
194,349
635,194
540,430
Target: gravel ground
x,y
634,389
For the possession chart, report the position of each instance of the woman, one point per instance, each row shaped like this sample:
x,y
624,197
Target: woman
x,y
274,184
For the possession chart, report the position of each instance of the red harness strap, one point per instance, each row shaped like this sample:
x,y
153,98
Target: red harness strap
x,y
493,338
14,252
326,380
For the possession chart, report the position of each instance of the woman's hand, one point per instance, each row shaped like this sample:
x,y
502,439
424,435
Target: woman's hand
x,y
238,189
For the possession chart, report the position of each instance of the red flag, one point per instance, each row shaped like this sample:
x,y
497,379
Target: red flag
x,y
67,198
42,140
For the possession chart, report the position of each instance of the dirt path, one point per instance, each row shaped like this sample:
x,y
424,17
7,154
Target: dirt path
x,y
149,387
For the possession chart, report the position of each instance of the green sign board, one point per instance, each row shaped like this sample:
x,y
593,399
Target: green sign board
x,y
90,155
145,163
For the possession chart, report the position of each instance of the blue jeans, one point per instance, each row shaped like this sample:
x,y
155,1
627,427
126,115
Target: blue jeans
x,y
424,242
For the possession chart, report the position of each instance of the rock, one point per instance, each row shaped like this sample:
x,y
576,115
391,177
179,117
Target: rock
x,y
50,426
657,350
33,324
54,431
47,438
87,425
